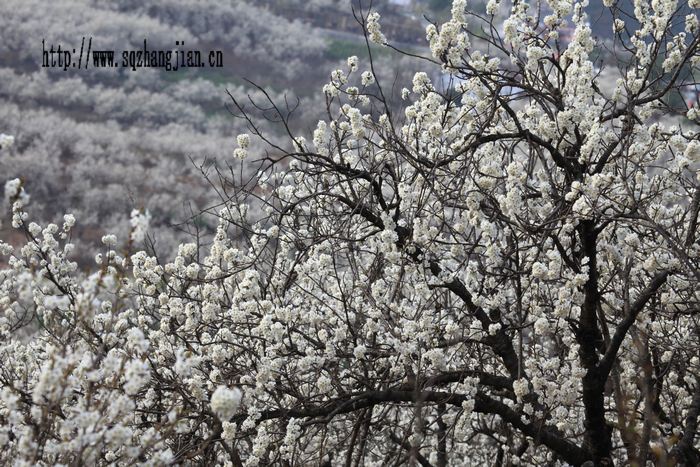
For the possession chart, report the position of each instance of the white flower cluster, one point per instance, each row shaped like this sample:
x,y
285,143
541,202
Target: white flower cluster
x,y
243,141
451,43
140,221
374,29
6,141
225,402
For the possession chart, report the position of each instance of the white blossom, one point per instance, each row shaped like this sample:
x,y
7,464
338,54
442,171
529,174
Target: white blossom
x,y
225,402
373,28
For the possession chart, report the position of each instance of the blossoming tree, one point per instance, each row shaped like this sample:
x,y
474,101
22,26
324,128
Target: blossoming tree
x,y
504,271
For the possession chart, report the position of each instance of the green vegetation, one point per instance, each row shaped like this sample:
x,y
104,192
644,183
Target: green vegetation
x,y
438,5
339,49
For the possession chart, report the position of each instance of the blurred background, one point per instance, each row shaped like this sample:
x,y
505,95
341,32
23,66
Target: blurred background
x,y
99,143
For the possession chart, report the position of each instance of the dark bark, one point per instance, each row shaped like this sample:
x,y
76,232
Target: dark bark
x,y
684,453
442,437
539,432
597,436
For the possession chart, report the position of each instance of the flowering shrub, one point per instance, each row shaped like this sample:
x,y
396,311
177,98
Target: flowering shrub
x,y
506,271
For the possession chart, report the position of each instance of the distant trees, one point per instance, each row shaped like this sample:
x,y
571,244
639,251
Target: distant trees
x,y
506,271
246,28
101,142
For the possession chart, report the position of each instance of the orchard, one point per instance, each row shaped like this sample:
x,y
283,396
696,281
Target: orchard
x,y
503,270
